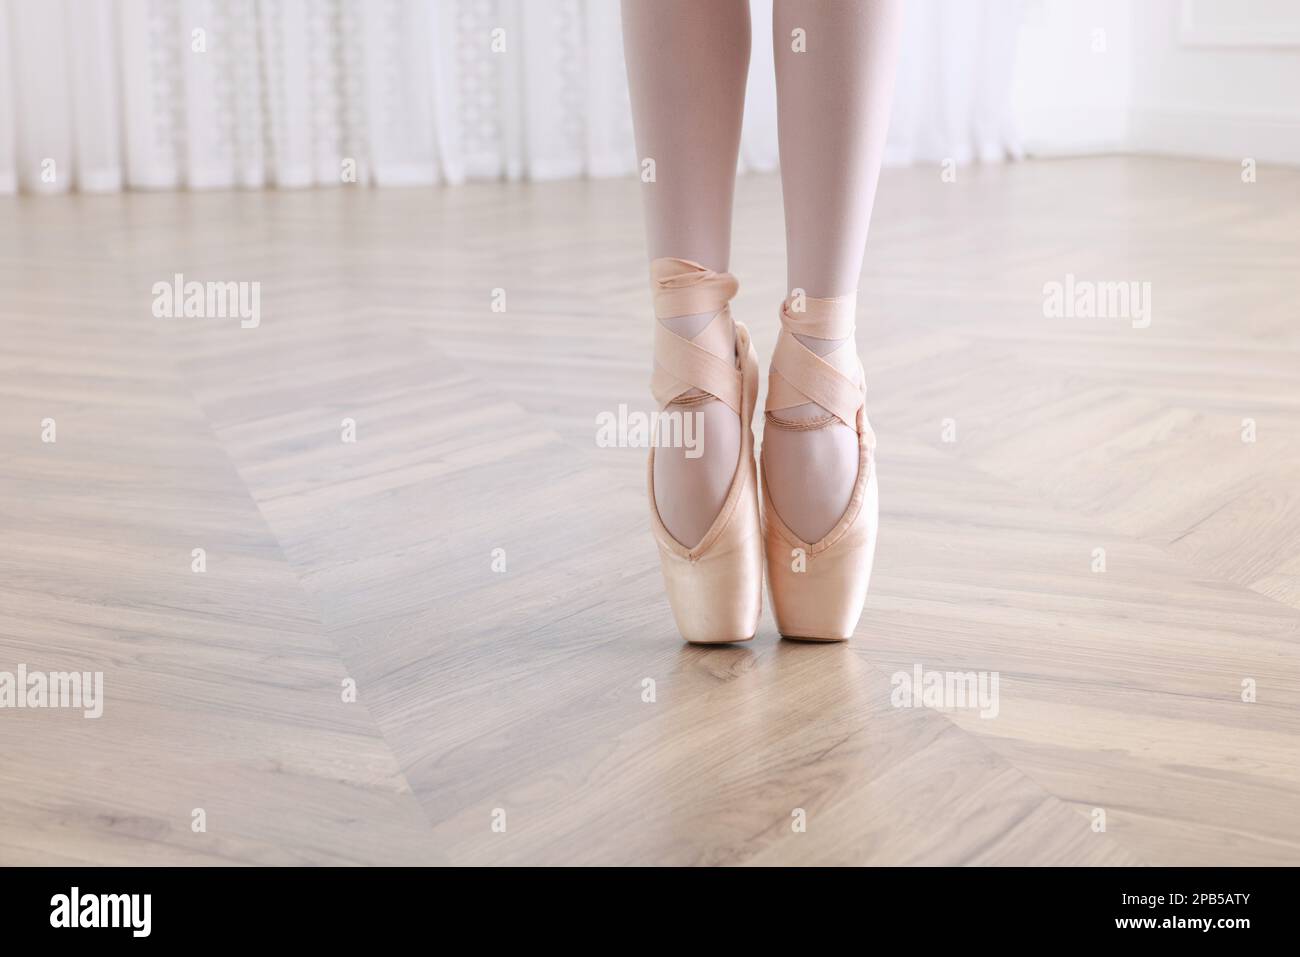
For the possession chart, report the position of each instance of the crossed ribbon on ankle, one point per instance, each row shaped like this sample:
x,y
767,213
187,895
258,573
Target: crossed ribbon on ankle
x,y
834,381
706,361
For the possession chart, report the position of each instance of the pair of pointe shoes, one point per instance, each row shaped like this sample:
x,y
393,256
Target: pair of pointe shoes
x,y
716,588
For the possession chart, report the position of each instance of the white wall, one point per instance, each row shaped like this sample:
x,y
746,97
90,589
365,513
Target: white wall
x,y
1217,78
1073,76
1214,78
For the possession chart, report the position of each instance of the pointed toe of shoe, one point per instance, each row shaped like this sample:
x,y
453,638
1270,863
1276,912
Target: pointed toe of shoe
x,y
714,602
818,591
716,589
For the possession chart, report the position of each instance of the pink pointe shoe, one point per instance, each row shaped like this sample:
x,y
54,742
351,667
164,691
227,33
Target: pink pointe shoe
x,y
818,588
716,588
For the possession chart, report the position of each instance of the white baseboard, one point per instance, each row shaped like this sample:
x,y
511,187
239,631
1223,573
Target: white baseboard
x,y
1072,131
1263,138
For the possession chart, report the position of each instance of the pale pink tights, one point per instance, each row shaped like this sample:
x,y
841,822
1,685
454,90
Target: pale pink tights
x,y
687,62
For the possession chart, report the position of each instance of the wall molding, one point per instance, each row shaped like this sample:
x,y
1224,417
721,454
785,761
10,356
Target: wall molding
x,y
1192,32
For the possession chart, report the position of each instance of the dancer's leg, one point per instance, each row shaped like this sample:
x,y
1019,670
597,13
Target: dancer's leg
x,y
687,63
833,104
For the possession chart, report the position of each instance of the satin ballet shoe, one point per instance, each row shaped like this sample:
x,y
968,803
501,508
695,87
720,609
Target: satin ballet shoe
x,y
715,589
818,588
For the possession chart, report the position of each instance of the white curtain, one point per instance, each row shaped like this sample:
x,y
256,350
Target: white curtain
x,y
159,94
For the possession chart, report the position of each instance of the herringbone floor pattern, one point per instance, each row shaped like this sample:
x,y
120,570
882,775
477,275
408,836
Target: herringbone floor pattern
x,y
1012,448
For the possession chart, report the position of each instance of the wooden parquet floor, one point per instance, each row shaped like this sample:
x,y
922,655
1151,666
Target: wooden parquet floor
x,y
487,696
